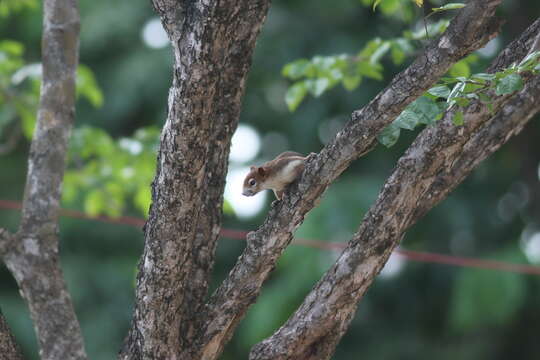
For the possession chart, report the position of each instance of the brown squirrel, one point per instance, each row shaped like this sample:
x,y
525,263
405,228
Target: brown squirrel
x,y
275,174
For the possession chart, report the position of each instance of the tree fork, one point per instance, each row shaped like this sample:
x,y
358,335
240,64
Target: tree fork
x,y
31,254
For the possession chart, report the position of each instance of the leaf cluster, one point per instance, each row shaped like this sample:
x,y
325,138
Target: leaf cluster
x,y
458,92
18,98
20,85
322,73
105,173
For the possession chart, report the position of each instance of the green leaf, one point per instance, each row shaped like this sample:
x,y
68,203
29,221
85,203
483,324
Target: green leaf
x,y
28,120
70,187
351,82
297,69
457,91
375,3
403,44
370,70
390,135
295,94
390,7
472,96
143,199
470,88
227,208
11,47
461,68
483,76
458,118
94,202
400,49
379,52
438,117
484,97
449,6
424,109
87,86
318,86
440,91
509,84
407,120
323,63
370,48
88,142
461,101
398,56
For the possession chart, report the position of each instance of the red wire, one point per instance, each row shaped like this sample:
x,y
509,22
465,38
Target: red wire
x,y
411,255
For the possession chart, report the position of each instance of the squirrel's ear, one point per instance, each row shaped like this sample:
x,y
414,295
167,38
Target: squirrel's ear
x,y
261,171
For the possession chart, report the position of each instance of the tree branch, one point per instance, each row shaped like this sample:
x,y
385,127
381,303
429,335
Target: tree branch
x,y
9,349
469,30
213,43
33,259
439,159
5,242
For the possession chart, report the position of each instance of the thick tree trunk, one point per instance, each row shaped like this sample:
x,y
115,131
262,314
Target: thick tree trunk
x,y
32,253
213,42
439,159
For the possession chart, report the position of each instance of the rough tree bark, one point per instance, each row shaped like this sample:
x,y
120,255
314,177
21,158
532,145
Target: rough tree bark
x,y
32,253
212,43
439,159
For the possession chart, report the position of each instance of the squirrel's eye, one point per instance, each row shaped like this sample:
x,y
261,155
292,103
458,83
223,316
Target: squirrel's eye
x,y
252,182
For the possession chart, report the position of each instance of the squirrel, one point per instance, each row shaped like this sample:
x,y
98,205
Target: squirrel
x,y
275,174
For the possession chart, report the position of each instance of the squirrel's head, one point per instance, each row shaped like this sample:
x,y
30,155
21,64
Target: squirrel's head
x,y
253,183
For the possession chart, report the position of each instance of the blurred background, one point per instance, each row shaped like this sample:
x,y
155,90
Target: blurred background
x,y
413,311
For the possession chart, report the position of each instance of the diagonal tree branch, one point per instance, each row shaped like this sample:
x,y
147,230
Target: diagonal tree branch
x,y
439,159
212,43
32,256
9,349
469,30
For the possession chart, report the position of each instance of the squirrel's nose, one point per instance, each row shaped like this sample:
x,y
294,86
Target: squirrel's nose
x,y
247,192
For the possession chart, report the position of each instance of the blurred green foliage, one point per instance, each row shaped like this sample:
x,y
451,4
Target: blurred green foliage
x,y
12,6
108,171
422,311
322,73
